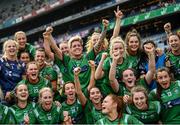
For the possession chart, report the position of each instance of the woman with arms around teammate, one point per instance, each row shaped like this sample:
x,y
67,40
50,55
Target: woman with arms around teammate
x,y
112,108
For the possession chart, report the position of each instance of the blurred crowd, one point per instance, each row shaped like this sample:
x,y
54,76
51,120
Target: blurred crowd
x,y
113,81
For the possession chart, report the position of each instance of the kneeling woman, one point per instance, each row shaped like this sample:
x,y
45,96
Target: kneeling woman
x,y
22,106
169,94
46,112
112,108
144,110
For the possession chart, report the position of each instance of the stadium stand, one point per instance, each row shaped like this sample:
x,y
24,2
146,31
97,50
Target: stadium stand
x,y
80,18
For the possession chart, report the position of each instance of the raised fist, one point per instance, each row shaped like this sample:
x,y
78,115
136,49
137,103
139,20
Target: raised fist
x,y
77,70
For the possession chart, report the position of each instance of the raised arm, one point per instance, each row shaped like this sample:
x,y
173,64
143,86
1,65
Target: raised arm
x,y
53,43
79,92
167,29
46,45
102,36
112,73
151,66
99,71
92,78
117,26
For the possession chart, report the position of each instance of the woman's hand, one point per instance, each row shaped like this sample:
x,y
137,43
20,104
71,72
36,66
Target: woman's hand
x,y
105,23
118,13
26,120
76,71
92,64
8,96
127,99
167,27
116,56
49,29
104,56
149,49
46,35
57,103
67,118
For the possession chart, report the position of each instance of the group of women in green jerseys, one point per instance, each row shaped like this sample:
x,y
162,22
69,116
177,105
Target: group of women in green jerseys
x,y
110,83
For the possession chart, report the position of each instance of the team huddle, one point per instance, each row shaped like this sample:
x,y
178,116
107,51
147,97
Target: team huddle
x,y
114,81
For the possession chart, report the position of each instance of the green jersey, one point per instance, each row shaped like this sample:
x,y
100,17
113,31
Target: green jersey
x,y
97,60
174,64
71,63
106,88
49,73
142,82
125,119
98,57
34,88
75,111
153,95
134,61
170,99
19,113
119,68
172,93
149,116
62,68
5,116
91,113
30,49
54,116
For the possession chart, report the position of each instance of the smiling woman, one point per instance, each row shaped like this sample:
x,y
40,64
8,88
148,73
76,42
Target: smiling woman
x,y
21,39
45,70
133,43
173,56
72,104
33,81
11,69
76,55
116,62
46,112
129,78
144,110
168,93
23,107
112,108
